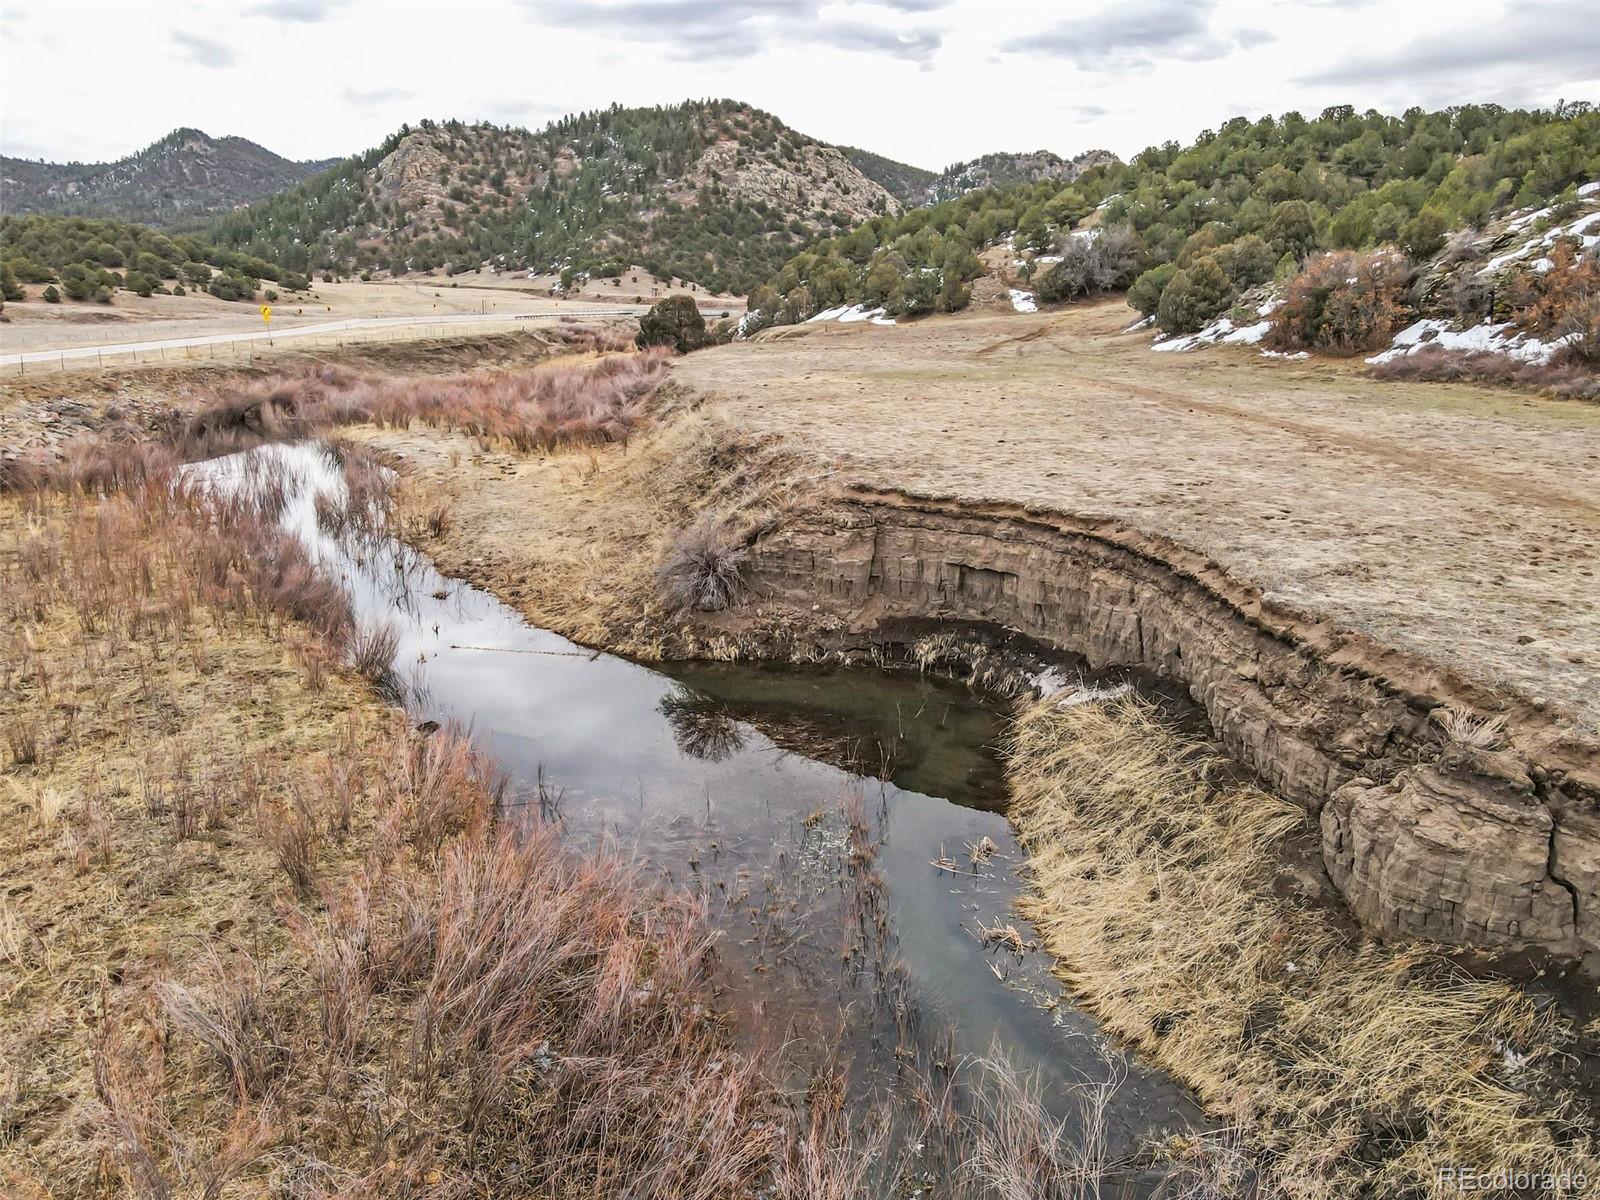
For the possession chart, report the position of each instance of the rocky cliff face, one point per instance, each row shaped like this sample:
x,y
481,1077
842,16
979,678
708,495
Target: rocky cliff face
x,y
819,178
1494,847
1002,170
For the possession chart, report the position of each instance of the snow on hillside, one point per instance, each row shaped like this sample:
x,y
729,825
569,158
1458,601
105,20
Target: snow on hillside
x,y
850,314
1475,339
1222,332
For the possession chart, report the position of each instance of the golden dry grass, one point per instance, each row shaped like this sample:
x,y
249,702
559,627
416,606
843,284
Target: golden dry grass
x,y
263,940
574,541
146,737
1356,1069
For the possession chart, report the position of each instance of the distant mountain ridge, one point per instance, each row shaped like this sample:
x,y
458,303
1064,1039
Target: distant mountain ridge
x,y
183,179
905,183
1008,169
711,191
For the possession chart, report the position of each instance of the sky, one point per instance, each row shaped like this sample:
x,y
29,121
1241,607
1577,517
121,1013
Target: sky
x,y
929,82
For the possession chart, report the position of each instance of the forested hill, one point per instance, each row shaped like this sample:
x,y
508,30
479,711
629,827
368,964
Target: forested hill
x,y
712,191
183,178
905,183
1254,197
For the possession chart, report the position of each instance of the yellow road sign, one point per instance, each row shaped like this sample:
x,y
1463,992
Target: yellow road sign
x,y
266,313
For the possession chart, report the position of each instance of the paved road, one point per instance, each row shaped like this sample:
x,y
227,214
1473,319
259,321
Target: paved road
x,y
298,331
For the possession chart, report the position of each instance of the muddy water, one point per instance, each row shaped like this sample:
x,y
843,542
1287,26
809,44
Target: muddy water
x,y
844,827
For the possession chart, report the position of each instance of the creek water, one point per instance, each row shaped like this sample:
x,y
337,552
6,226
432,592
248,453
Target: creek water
x,y
844,827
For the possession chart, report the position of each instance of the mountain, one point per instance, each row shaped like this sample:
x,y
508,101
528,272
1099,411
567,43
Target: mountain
x,y
711,191
183,178
1006,170
905,183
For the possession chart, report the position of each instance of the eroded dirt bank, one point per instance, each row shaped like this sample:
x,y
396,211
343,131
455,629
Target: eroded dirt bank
x,y
1453,521
1447,810
1424,834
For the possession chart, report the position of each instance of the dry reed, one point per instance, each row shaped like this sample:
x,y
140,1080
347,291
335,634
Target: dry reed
x,y
1351,1067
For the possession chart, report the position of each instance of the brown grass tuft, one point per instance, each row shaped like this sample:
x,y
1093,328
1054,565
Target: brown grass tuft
x,y
1350,1067
1572,379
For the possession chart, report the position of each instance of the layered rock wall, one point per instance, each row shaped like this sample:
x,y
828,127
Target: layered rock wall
x,y
1497,847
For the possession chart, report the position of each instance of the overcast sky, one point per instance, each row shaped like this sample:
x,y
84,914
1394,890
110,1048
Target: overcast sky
x,y
925,81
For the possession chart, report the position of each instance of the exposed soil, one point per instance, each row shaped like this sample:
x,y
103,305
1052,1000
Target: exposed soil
x,y
1452,521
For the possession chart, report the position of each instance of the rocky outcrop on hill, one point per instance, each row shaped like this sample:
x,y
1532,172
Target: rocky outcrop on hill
x,y
819,178
1001,170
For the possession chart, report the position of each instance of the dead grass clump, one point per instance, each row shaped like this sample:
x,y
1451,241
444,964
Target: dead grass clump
x,y
290,831
1350,1066
1469,734
229,1015
1561,377
703,569
372,652
552,406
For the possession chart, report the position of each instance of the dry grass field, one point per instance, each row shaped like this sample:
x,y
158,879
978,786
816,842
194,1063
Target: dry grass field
x,y
1455,521
35,325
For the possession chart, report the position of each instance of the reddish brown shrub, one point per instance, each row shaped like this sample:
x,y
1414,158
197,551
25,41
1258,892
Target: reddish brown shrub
x,y
1563,301
1343,303
1571,379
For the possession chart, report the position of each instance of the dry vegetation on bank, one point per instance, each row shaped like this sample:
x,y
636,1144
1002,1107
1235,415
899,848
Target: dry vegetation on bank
x,y
592,395
265,940
1356,1069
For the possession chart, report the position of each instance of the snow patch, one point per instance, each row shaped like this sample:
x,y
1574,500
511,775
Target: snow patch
x,y
850,314
1086,694
1222,331
1023,301
861,312
828,314
1475,339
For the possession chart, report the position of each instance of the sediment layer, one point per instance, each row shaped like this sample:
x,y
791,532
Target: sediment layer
x,y
1494,847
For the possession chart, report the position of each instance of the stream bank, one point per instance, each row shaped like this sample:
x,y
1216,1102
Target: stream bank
x,y
1444,810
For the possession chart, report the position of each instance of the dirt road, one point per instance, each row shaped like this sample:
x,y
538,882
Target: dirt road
x,y
1454,521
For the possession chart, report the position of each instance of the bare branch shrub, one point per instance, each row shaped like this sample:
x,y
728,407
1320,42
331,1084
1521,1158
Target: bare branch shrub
x,y
703,569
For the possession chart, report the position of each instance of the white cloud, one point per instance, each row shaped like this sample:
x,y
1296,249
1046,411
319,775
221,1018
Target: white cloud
x,y
924,81
203,50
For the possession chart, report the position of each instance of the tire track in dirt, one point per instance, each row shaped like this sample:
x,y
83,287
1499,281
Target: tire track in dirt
x,y
1032,335
1451,471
